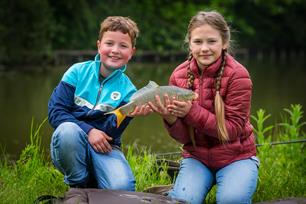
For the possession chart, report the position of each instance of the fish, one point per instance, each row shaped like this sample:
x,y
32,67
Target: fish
x,y
147,94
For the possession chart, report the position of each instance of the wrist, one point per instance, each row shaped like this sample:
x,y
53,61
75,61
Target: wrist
x,y
170,119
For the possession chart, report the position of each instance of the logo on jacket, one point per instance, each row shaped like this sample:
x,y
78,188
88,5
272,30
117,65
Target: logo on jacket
x,y
115,95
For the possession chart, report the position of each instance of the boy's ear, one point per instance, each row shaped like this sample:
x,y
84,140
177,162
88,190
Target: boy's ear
x,y
134,50
98,43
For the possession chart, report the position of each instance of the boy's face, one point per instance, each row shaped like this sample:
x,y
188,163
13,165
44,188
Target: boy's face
x,y
115,49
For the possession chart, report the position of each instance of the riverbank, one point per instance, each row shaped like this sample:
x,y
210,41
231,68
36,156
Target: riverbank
x,y
68,57
71,56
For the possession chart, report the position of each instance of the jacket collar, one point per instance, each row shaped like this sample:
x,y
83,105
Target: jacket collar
x,y
211,70
97,63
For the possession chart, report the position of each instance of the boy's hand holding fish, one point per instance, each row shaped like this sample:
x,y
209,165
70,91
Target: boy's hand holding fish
x,y
148,99
141,111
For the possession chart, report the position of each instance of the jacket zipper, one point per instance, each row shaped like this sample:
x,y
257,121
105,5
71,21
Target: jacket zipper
x,y
201,104
98,97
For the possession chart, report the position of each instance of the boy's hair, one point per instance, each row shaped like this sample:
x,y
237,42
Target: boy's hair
x,y
120,23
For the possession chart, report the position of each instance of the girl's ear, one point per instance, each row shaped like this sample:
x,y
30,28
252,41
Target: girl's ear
x,y
225,46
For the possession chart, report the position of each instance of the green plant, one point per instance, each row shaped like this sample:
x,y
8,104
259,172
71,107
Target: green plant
x,y
145,168
282,170
292,124
260,129
30,176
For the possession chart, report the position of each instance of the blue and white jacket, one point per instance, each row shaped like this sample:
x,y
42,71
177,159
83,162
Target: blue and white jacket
x,y
82,97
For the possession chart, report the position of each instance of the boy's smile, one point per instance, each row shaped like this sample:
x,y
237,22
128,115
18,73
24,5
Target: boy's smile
x,y
115,49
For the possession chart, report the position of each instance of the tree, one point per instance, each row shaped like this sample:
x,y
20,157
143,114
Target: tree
x,y
26,28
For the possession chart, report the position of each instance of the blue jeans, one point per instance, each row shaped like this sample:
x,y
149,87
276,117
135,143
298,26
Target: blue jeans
x,y
77,160
236,182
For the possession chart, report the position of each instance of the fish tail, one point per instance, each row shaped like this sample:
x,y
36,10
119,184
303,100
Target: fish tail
x,y
119,116
191,134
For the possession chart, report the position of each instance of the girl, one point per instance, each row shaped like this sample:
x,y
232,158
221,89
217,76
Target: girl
x,y
224,152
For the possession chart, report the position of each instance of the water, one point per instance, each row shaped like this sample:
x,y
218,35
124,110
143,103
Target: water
x,y
23,96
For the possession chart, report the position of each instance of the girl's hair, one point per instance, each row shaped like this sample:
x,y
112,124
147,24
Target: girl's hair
x,y
212,18
122,24
217,21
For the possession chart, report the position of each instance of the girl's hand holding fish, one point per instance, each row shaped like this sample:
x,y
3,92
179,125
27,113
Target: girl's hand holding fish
x,y
161,108
179,108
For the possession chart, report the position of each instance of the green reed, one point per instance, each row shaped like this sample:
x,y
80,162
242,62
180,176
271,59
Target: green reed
x,y
146,171
282,170
31,175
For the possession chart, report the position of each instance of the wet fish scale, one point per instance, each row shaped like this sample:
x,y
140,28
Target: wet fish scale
x,y
149,95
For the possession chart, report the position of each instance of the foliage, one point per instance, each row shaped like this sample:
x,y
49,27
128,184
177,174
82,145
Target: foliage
x,y
30,176
26,28
292,125
31,30
282,170
260,130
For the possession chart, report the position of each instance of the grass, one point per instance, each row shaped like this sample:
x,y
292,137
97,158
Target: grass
x,y
31,176
282,173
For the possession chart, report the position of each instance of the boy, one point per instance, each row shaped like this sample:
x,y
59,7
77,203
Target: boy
x,y
85,145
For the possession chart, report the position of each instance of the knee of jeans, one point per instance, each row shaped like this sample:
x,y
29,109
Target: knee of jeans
x,y
68,134
188,196
233,198
122,183
68,128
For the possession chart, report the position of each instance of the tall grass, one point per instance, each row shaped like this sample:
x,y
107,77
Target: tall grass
x,y
144,166
282,172
31,175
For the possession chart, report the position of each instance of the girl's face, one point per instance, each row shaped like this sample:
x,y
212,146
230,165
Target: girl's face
x,y
206,45
115,49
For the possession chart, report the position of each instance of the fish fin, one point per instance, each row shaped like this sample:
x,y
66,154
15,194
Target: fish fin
x,y
119,116
191,134
150,85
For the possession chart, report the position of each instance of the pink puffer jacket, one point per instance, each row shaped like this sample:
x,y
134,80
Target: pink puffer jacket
x,y
236,91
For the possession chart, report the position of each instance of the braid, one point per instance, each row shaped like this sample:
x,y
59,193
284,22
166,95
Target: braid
x,y
219,104
190,76
220,73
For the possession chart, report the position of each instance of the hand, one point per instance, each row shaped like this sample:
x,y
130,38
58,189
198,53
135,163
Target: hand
x,y
99,140
162,110
141,111
179,108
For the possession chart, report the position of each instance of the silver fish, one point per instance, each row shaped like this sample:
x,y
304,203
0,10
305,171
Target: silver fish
x,y
147,94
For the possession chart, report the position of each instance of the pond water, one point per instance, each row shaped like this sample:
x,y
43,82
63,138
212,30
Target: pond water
x,y
23,97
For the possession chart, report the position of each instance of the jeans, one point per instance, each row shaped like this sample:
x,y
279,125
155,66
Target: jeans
x,y
236,182
77,160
